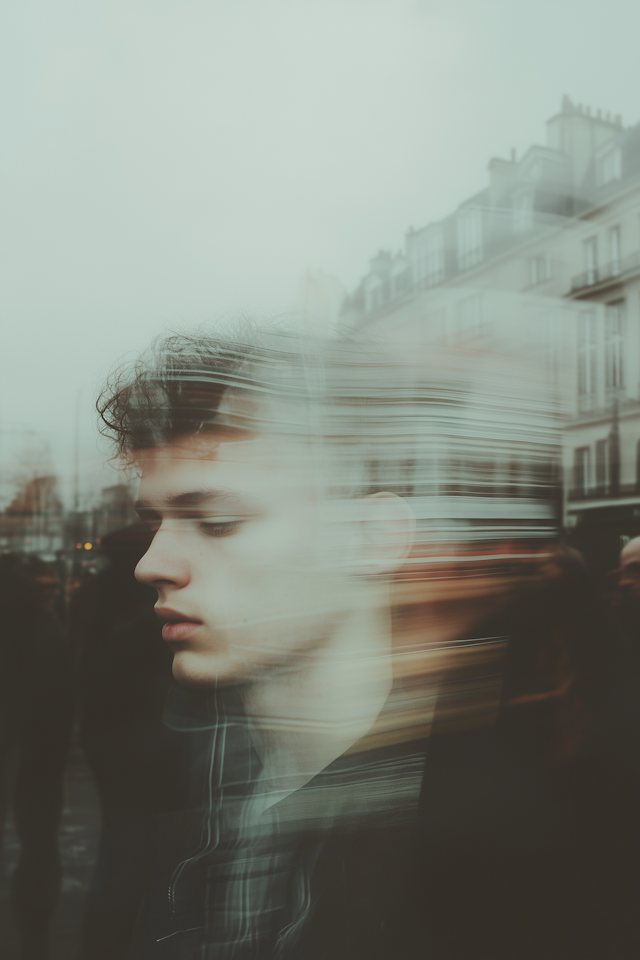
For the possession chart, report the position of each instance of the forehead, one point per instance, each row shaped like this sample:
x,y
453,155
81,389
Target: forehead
x,y
251,464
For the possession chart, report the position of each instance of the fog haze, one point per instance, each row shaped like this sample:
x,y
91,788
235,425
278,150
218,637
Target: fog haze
x,y
165,164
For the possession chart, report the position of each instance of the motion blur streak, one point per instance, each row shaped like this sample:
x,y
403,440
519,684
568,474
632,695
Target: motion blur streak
x,y
347,521
363,681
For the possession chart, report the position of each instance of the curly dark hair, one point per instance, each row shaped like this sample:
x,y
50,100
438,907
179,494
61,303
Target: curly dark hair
x,y
373,414
339,394
176,388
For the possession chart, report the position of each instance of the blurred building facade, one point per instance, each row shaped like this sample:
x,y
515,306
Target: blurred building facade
x,y
36,522
559,227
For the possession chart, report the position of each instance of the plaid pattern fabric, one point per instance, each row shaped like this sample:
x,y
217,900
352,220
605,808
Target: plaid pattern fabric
x,y
241,880
244,890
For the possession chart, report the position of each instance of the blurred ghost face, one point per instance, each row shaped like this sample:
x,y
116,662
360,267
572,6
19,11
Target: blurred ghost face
x,y
629,578
244,559
629,574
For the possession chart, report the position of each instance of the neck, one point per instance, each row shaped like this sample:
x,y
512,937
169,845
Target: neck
x,y
306,715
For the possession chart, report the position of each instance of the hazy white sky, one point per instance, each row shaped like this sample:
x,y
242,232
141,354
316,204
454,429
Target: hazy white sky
x,y
164,163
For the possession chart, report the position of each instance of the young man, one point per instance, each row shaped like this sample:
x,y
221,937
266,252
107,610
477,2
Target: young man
x,y
262,473
273,473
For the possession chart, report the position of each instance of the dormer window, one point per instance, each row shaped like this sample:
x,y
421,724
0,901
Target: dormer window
x,y
469,238
401,279
609,165
376,293
429,260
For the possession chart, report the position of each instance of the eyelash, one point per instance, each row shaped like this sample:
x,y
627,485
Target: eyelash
x,y
221,529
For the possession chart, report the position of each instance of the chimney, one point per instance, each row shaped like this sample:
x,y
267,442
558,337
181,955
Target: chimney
x,y
578,131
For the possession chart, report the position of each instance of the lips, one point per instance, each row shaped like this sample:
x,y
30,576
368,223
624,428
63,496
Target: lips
x,y
177,625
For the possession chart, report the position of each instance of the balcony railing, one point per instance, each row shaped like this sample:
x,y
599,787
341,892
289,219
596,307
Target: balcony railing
x,y
610,271
604,492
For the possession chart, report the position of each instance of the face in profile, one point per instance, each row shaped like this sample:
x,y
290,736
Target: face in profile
x,y
629,572
249,571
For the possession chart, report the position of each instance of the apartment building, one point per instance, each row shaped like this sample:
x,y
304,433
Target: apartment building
x,y
553,244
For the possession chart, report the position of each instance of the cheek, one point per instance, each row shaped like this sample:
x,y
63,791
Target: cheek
x,y
271,607
287,541
276,576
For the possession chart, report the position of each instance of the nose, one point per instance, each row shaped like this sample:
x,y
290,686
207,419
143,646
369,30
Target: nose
x,y
164,564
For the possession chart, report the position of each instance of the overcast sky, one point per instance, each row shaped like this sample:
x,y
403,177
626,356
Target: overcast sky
x,y
167,162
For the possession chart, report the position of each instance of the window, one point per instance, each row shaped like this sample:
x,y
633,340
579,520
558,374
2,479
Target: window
x,y
469,238
377,294
614,345
587,355
523,211
401,282
434,259
591,259
539,269
582,470
430,262
614,251
609,165
602,465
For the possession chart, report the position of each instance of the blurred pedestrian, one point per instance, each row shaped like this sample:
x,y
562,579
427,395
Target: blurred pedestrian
x,y
618,723
36,711
124,675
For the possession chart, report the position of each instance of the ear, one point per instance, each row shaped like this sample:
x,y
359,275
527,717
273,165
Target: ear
x,y
388,532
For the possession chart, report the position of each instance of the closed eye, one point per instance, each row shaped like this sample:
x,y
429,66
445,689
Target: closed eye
x,y
220,528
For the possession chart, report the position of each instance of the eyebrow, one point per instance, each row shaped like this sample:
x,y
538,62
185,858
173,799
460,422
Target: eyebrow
x,y
196,498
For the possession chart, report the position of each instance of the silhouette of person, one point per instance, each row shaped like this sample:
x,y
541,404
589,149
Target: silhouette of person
x,y
36,712
124,675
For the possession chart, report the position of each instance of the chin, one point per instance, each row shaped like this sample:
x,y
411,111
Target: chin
x,y
198,670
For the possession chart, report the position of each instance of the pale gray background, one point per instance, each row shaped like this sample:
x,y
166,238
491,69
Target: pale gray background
x,y
166,162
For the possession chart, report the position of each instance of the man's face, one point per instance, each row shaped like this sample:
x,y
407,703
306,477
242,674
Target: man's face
x,y
243,558
629,575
